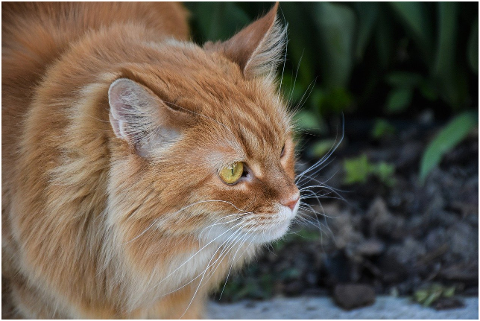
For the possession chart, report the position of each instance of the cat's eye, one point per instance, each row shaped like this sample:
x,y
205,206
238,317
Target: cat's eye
x,y
232,173
283,151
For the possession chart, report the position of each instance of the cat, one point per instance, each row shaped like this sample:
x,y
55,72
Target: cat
x,y
139,168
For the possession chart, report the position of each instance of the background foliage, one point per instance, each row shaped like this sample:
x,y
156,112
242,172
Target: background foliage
x,y
387,61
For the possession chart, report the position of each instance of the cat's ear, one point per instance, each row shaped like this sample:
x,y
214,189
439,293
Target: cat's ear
x,y
140,117
257,48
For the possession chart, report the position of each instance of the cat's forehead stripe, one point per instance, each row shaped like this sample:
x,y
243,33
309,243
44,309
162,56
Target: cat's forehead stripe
x,y
258,135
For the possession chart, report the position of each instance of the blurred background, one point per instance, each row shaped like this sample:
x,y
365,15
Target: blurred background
x,y
387,99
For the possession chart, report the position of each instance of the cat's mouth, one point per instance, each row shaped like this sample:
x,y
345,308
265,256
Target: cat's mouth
x,y
275,227
271,232
264,228
255,228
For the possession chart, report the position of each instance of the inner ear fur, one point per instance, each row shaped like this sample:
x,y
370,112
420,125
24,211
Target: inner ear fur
x,y
258,47
141,118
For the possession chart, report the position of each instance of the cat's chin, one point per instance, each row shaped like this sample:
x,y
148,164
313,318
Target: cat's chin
x,y
271,233
274,231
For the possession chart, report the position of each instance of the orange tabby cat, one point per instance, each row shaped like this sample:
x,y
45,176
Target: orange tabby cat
x,y
138,168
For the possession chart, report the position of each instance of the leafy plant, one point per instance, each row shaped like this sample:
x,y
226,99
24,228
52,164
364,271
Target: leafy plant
x,y
358,169
429,295
322,147
453,133
357,49
382,128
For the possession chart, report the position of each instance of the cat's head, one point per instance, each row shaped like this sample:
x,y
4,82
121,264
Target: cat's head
x,y
205,140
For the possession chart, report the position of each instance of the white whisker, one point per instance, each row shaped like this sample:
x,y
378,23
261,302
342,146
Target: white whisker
x,y
208,265
204,273
326,156
191,257
178,211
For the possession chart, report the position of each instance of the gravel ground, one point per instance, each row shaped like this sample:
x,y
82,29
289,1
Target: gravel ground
x,y
385,307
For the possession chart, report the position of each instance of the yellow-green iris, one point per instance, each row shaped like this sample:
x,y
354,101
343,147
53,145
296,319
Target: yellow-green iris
x,y
232,173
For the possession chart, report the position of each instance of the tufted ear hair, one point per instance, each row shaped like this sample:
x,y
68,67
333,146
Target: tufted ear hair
x,y
257,48
139,117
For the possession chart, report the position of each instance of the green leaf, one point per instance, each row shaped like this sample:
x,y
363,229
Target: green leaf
x,y
367,15
322,147
220,20
384,40
410,80
433,296
385,172
399,99
447,31
428,90
293,90
382,128
336,29
412,13
307,120
356,169
415,17
421,295
432,293
455,91
472,50
333,100
404,79
446,72
301,40
452,134
449,292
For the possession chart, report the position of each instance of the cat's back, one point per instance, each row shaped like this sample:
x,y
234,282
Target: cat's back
x,y
38,23
35,34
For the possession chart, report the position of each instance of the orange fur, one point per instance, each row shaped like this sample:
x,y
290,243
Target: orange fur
x,y
114,130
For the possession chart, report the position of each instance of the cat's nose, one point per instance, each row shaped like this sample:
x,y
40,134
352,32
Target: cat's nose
x,y
291,202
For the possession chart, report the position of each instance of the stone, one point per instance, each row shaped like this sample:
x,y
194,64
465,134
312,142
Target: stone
x,y
461,272
370,247
384,223
408,252
448,303
352,296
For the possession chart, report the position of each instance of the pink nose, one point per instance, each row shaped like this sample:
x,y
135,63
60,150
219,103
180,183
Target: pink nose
x,y
291,202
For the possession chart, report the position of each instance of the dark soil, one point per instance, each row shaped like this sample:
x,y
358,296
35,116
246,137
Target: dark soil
x,y
395,239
